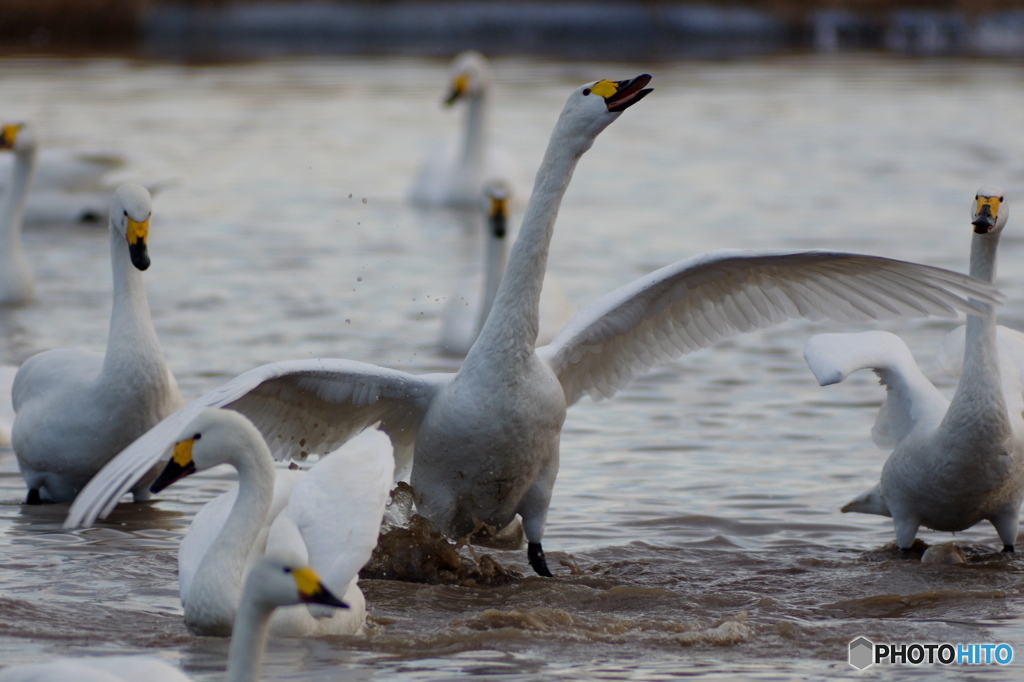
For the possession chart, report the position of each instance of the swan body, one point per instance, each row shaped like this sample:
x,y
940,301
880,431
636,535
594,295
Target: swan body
x,y
70,185
76,409
955,462
483,443
17,283
471,303
271,583
455,175
328,518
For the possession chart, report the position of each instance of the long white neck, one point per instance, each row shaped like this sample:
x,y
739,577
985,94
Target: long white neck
x,y
495,261
248,638
16,273
218,580
132,346
511,328
475,129
979,397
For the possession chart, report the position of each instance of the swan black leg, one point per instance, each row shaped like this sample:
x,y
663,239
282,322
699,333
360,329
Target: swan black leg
x,y
1007,548
536,556
33,497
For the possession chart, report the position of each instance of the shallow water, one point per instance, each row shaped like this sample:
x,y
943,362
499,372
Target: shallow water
x,y
695,523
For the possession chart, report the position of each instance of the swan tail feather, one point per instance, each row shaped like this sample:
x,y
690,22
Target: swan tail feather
x,y
870,502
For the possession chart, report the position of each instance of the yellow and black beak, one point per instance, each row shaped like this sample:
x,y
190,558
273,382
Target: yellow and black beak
x,y
180,466
986,213
459,88
620,95
137,233
312,591
8,136
498,215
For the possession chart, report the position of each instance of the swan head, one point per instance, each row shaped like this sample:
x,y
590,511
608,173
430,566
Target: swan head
x,y
17,137
275,582
989,210
592,107
129,214
214,437
497,194
471,76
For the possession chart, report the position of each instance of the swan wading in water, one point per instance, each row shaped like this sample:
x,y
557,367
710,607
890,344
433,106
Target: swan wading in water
x,y
471,303
271,583
328,517
70,185
955,463
75,409
454,176
486,438
17,284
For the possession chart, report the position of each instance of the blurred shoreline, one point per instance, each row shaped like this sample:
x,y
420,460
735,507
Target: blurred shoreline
x,y
218,30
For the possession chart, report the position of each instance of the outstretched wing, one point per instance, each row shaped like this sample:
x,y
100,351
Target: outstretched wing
x,y
694,303
910,398
300,406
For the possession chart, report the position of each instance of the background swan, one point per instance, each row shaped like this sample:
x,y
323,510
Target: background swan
x,y
71,185
957,462
17,283
328,518
455,174
76,409
486,438
470,304
271,583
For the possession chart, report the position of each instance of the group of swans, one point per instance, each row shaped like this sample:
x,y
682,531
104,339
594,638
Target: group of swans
x,y
455,175
272,582
955,463
486,438
76,409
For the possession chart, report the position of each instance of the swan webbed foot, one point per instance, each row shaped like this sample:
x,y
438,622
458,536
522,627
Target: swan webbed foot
x,y
1008,548
33,497
535,554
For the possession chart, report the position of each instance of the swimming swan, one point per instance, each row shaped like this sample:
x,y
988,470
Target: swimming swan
x,y
955,463
454,176
75,409
271,583
328,517
486,438
471,302
17,283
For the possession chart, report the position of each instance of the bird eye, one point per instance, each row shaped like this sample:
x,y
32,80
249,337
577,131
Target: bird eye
x,y
586,91
126,214
287,569
197,436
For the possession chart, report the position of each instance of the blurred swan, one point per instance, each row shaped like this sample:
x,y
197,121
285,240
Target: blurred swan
x,y
454,175
954,463
76,409
271,583
486,438
470,303
328,518
70,185
17,284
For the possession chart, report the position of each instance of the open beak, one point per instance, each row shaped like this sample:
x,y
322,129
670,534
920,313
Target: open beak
x,y
627,93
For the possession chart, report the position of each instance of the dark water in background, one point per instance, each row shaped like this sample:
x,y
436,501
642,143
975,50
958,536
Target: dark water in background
x,y
695,519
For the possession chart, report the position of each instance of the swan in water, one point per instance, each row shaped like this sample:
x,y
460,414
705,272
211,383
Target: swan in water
x,y
328,517
454,176
70,185
486,438
955,463
75,409
470,304
17,284
271,583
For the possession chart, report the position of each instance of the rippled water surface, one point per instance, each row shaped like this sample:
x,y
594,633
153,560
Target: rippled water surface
x,y
695,525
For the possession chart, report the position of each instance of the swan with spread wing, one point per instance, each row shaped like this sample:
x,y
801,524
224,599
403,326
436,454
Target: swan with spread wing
x,y
486,438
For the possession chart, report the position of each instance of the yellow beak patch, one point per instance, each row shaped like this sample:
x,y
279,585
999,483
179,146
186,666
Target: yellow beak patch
x,y
307,581
137,231
604,88
182,454
8,135
992,203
